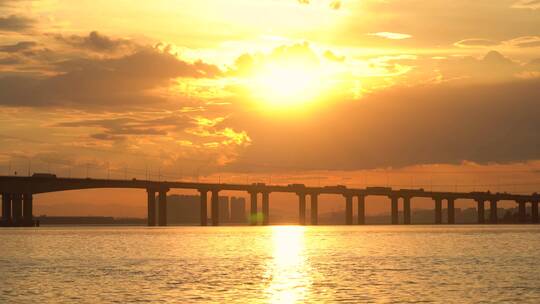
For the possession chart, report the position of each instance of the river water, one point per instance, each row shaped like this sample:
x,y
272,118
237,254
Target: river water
x,y
276,264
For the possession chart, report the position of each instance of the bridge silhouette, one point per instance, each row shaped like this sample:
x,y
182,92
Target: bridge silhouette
x,y
17,199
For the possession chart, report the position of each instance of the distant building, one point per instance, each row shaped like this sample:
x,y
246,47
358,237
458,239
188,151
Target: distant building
x,y
238,210
186,209
183,209
224,209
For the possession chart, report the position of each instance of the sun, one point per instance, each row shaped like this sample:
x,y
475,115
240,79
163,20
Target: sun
x,y
287,84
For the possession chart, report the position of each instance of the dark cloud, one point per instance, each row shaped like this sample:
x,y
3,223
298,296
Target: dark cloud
x,y
105,136
95,41
14,23
117,82
120,128
493,67
10,60
401,127
17,47
534,64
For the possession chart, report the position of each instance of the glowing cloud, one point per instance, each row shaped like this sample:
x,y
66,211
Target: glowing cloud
x,y
475,42
390,35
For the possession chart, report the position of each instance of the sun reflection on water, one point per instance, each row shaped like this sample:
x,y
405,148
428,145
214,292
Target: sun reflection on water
x,y
288,269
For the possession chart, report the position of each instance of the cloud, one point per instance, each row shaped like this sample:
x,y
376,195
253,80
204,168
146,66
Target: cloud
x,y
494,67
519,42
17,47
334,4
333,57
116,82
527,4
10,60
390,35
524,42
95,41
300,54
14,23
401,127
120,128
173,135
476,42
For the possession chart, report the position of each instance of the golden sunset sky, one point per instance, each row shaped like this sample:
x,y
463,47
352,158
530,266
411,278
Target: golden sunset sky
x,y
412,93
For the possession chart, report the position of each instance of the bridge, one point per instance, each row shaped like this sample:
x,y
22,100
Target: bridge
x,y
17,199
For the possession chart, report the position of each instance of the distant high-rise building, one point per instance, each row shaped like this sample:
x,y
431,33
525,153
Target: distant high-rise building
x,y
238,210
223,209
183,209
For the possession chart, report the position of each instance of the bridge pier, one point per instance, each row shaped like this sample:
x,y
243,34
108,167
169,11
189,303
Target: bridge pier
x,y
394,211
151,221
451,211
534,211
438,211
480,211
406,210
361,210
6,209
522,212
215,208
314,209
28,219
348,209
266,207
493,218
204,207
16,203
162,208
302,208
253,210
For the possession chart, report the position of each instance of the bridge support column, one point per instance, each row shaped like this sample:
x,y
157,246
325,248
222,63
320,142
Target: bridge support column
x,y
361,210
394,210
451,211
215,208
151,207
348,209
16,203
6,209
204,207
493,211
407,210
162,208
522,212
28,210
534,211
266,208
253,211
301,208
314,209
438,211
480,211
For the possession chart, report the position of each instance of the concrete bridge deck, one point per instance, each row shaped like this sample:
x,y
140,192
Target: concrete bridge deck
x,y
17,193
